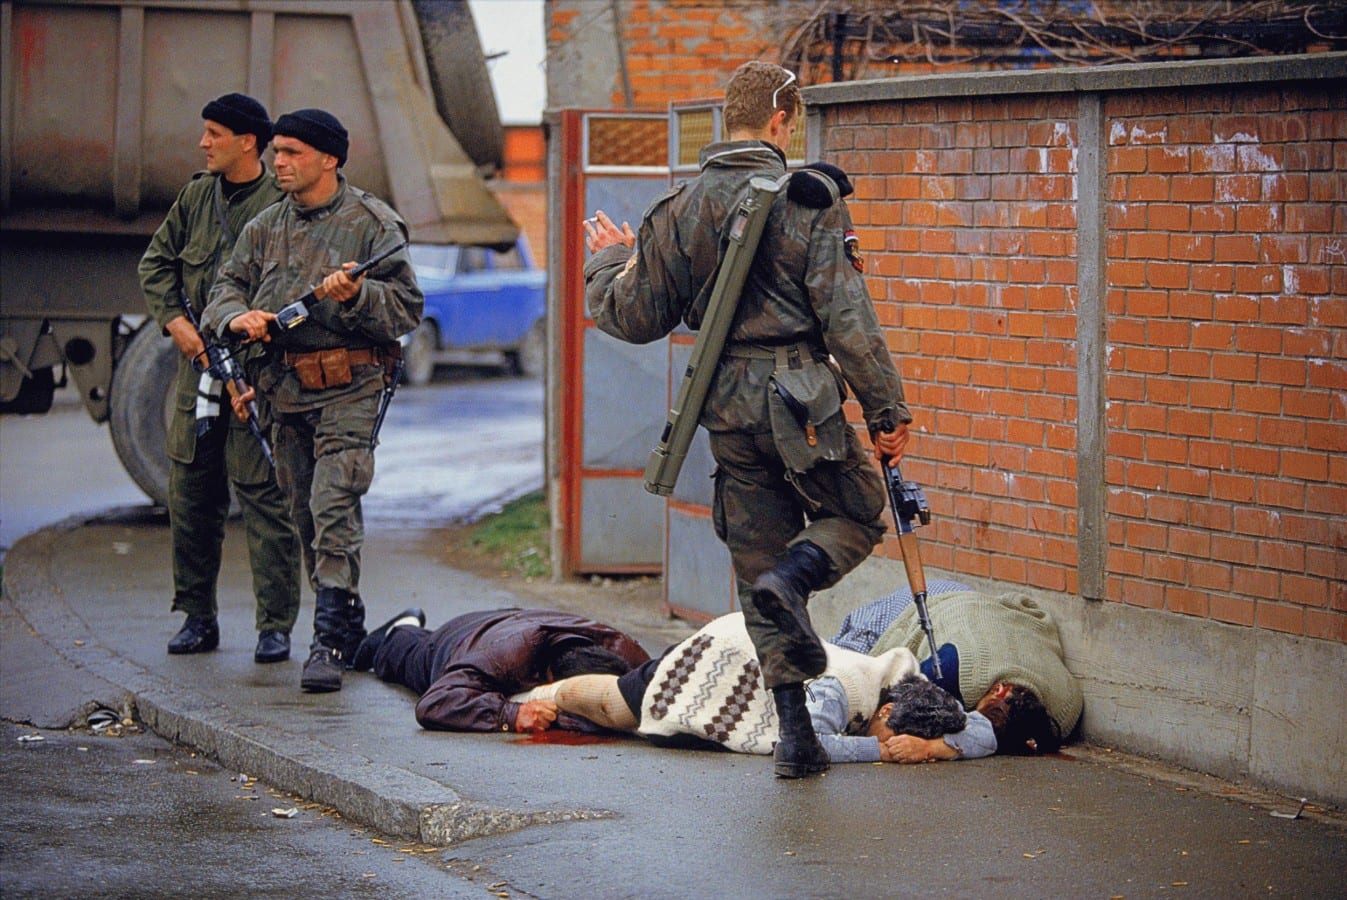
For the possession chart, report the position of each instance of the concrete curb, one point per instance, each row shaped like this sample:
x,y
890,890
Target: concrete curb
x,y
391,799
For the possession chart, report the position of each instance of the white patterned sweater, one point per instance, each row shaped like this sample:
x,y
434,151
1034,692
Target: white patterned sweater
x,y
710,686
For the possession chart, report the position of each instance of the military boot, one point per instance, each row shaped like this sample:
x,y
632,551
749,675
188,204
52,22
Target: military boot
x,y
798,752
322,670
355,629
780,595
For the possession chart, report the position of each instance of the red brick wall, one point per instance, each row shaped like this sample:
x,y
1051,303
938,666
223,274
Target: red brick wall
x,y
681,49
521,185
1226,333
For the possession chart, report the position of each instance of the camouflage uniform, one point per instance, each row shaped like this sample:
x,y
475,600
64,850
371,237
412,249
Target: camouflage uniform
x,y
321,437
184,255
804,295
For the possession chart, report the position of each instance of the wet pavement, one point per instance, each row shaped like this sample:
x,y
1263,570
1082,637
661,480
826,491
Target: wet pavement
x,y
84,620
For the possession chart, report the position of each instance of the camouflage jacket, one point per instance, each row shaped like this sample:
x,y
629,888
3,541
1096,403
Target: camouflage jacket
x,y
802,287
184,255
286,250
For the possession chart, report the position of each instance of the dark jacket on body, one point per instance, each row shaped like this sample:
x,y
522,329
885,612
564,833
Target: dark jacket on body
x,y
467,669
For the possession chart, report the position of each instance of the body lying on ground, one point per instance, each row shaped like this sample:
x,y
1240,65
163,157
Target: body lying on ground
x,y
998,654
707,691
466,671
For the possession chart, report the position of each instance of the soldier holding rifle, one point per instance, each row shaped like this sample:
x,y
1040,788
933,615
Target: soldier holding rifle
x,y
324,376
206,451
796,502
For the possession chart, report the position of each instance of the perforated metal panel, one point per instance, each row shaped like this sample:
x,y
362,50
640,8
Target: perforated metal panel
x,y
625,142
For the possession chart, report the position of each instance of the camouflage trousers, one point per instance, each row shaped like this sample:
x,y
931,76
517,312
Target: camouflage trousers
x,y
761,509
324,465
198,504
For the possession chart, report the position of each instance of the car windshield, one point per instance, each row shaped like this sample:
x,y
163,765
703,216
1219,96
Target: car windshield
x,y
434,257
452,259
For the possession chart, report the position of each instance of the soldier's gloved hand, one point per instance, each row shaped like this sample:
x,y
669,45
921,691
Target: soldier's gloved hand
x,y
889,445
535,715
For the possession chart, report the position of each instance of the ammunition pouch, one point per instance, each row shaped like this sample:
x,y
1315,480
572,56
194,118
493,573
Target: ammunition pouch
x,y
323,369
805,409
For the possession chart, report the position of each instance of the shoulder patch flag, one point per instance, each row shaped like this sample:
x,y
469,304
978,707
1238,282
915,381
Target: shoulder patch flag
x,y
853,250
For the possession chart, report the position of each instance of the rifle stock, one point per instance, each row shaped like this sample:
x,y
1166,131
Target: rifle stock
x,y
666,459
911,510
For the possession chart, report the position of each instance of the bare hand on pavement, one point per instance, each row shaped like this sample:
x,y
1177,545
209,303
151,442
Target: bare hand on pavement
x,y
535,715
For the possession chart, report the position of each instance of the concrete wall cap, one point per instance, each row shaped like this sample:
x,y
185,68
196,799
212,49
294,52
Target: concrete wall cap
x,y
1127,77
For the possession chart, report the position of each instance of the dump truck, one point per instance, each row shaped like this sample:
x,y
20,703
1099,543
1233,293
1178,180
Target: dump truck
x,y
100,116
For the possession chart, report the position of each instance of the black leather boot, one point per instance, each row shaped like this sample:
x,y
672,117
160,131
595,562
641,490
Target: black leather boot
x,y
355,628
781,593
798,752
199,634
323,668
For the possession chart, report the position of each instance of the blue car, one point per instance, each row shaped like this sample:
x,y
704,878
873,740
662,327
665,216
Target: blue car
x,y
483,307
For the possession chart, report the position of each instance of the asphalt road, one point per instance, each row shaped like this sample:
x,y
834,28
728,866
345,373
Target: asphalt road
x,y
452,450
122,813
612,818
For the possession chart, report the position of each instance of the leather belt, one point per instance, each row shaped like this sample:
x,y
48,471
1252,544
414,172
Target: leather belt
x,y
799,349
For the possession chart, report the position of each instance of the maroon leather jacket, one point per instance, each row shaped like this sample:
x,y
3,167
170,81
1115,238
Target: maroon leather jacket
x,y
483,658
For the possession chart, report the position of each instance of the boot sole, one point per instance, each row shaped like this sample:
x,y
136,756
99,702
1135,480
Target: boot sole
x,y
799,770
187,651
325,687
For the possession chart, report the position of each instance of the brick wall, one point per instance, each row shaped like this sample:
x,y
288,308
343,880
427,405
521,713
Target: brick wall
x,y
521,185
1226,333
670,50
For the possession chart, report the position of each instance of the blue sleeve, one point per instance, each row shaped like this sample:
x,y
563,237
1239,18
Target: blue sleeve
x,y
829,711
976,740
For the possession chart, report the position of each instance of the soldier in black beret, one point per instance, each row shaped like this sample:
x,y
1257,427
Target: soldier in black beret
x,y
208,451
324,376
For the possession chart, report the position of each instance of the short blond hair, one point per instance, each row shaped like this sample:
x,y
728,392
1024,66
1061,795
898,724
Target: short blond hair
x,y
748,96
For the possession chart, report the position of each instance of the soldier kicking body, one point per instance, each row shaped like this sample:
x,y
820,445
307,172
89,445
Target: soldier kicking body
x,y
207,452
793,522
324,376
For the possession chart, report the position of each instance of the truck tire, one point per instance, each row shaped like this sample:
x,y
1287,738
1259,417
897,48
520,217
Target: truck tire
x,y
140,404
419,355
530,358
460,80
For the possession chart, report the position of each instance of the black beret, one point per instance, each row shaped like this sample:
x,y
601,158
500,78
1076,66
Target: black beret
x,y
241,114
317,128
836,174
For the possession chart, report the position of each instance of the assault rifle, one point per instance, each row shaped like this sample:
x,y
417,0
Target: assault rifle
x,y
294,314
219,361
910,510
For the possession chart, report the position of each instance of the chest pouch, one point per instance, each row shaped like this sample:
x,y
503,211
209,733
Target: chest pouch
x,y
805,408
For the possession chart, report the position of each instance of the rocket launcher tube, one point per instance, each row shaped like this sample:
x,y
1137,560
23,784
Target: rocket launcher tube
x,y
666,460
